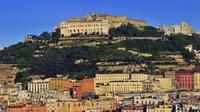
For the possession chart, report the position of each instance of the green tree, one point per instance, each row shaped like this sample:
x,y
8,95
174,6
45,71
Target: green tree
x,y
23,57
130,30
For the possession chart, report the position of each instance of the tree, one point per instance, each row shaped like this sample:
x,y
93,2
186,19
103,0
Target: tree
x,y
45,36
130,30
23,57
22,77
150,31
187,55
53,62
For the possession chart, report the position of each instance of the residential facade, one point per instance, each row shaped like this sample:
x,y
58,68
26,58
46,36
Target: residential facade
x,y
197,81
38,86
125,86
184,80
105,78
139,77
165,83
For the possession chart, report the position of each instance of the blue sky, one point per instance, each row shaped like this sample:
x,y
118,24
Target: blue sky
x,y
21,17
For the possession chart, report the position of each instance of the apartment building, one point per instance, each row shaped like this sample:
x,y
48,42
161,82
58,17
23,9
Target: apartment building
x,y
125,86
38,86
197,81
184,80
139,77
165,83
106,78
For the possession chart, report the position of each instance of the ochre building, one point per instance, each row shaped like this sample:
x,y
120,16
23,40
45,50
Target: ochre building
x,y
106,78
70,28
97,24
115,21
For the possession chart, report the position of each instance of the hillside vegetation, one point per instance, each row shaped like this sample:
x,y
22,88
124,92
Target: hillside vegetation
x,y
62,61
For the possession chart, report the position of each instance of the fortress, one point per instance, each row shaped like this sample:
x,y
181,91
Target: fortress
x,y
183,28
94,24
115,21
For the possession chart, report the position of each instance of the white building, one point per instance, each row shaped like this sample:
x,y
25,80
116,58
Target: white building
x,y
147,100
38,86
197,54
22,94
189,48
58,95
69,28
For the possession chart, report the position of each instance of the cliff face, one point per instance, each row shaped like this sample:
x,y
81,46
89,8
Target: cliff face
x,y
7,73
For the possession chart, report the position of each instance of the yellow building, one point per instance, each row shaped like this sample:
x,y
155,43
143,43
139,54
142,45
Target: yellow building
x,y
125,86
5,89
197,81
80,106
13,102
73,106
56,83
151,85
106,105
156,86
76,106
30,38
102,89
148,86
166,84
4,96
161,108
139,77
106,78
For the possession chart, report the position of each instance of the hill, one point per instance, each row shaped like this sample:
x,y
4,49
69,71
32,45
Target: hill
x,y
79,60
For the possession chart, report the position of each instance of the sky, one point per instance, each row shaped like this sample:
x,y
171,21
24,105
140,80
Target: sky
x,y
19,18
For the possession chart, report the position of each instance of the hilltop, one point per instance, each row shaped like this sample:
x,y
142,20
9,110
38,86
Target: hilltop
x,y
71,49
